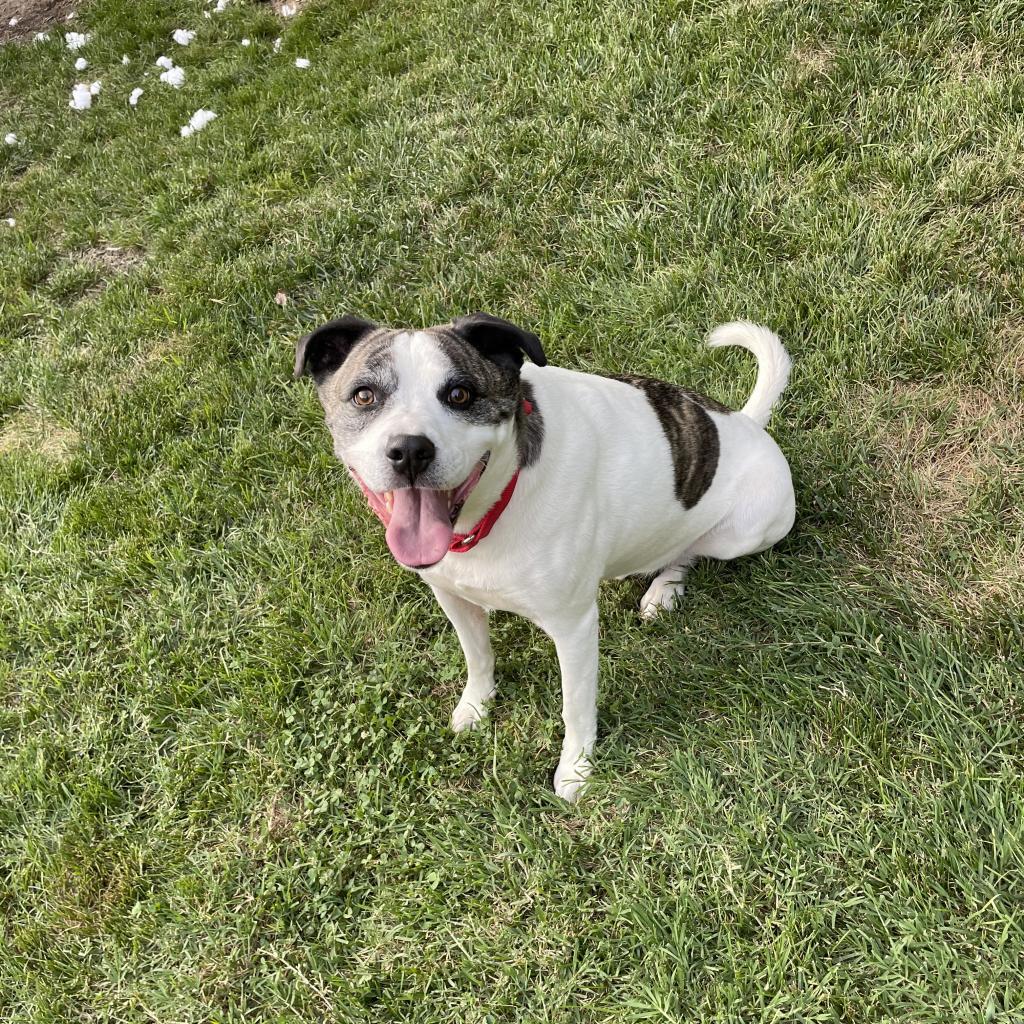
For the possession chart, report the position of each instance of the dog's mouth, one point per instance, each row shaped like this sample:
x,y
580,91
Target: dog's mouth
x,y
420,521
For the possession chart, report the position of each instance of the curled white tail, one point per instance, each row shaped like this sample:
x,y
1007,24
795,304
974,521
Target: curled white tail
x,y
773,364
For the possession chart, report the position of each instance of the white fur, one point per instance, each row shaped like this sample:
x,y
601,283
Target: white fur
x,y
773,364
599,502
421,368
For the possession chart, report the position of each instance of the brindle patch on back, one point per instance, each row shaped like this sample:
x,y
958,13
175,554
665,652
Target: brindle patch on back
x,y
499,392
690,431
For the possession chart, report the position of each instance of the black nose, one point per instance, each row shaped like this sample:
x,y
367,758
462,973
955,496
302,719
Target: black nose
x,y
410,454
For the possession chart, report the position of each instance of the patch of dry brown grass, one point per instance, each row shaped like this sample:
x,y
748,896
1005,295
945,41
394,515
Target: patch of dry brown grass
x,y
940,446
32,431
813,60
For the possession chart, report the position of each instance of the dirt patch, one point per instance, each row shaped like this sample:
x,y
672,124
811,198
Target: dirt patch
x,y
33,431
33,16
114,259
279,818
85,273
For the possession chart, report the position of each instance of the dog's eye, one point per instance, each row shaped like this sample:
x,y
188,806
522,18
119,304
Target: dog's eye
x,y
364,397
459,395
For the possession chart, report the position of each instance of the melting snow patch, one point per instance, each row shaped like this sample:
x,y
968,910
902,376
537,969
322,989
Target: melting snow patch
x,y
133,99
13,22
301,62
125,59
173,76
245,42
71,16
199,120
76,40
287,10
164,62
94,89
81,97
81,64
182,36
11,222
277,45
221,4
41,37
11,139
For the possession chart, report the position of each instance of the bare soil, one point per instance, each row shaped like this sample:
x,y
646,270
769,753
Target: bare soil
x,y
33,16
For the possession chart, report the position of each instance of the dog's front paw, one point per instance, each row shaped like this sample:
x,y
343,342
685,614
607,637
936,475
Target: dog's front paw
x,y
571,776
660,597
468,715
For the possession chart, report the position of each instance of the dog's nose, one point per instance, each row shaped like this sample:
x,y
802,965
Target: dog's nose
x,y
410,454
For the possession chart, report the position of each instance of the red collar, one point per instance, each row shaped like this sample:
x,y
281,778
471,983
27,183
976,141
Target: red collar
x,y
467,541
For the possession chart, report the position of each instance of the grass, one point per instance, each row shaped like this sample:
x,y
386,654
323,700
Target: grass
x,y
229,792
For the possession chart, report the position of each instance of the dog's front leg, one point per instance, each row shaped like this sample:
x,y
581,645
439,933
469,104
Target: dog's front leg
x,y
470,622
576,644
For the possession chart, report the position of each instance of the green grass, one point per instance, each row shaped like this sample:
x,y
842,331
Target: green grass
x,y
227,788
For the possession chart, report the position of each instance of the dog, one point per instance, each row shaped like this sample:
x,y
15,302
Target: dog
x,y
519,486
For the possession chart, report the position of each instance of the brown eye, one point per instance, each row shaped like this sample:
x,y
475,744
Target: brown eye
x,y
364,397
459,396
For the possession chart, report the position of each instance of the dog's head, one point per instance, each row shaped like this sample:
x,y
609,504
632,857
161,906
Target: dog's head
x,y
415,415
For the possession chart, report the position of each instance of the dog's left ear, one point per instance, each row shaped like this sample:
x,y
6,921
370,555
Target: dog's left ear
x,y
500,341
326,348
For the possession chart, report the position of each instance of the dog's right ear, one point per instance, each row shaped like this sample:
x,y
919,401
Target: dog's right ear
x,y
322,351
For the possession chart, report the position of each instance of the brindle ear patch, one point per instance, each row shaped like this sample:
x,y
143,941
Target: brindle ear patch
x,y
322,351
499,340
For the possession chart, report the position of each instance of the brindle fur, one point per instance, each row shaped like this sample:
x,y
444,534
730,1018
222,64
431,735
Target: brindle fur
x,y
691,433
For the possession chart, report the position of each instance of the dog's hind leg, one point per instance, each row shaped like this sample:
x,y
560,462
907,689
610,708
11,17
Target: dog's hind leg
x,y
470,622
666,589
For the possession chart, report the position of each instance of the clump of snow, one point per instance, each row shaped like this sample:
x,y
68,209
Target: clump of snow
x,y
277,45
11,139
81,64
13,22
81,97
133,99
125,59
301,62
246,42
199,120
174,77
76,40
41,37
94,89
221,4
182,36
11,222
287,10
164,62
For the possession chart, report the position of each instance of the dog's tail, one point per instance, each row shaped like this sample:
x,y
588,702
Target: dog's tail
x,y
773,364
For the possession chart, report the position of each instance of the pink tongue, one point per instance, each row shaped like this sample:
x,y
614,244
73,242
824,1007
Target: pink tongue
x,y
419,532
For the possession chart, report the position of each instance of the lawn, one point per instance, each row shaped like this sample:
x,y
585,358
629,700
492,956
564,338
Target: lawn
x,y
227,787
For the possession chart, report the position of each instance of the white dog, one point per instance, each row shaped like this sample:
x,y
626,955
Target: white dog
x,y
520,487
